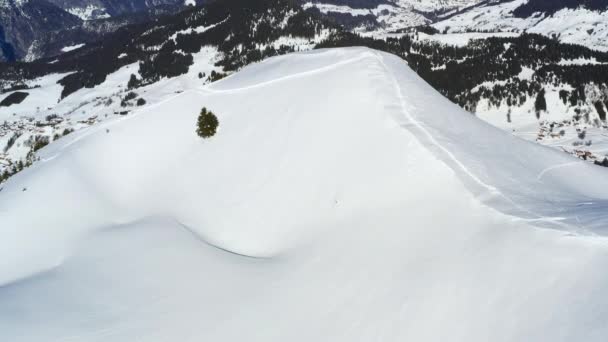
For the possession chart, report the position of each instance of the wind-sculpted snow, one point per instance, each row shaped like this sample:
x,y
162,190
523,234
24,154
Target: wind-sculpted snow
x,y
342,199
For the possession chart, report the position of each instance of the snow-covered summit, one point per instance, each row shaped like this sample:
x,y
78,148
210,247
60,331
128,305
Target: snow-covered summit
x,y
342,199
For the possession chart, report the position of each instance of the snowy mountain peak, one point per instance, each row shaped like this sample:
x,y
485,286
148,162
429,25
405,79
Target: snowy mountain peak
x,y
358,192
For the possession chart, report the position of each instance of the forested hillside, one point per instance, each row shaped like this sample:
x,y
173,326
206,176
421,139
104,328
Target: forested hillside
x,y
552,6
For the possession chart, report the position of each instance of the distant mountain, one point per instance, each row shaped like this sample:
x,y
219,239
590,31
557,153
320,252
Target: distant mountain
x,y
32,29
23,22
99,9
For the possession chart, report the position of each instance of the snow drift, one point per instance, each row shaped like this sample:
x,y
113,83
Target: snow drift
x,y
342,199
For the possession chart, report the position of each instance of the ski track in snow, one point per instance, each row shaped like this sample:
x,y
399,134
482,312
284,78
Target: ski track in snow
x,y
492,191
209,88
429,136
555,167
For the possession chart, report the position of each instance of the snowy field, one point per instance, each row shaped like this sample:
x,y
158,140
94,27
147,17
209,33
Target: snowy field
x,y
342,199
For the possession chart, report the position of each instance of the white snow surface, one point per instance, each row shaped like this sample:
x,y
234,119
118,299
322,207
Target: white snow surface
x,y
342,199
72,47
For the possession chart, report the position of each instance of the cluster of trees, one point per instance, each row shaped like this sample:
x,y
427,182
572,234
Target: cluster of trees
x,y
14,169
603,163
551,6
166,63
127,98
398,46
216,76
457,71
490,68
11,141
38,142
14,98
20,165
347,20
514,92
35,143
246,35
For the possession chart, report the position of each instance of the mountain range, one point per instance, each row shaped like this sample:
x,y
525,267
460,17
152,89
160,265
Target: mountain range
x,y
33,29
100,9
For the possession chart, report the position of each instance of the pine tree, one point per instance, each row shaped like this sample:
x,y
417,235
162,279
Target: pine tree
x,y
207,124
540,104
133,82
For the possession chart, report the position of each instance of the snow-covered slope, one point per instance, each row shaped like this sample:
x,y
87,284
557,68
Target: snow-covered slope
x,y
342,199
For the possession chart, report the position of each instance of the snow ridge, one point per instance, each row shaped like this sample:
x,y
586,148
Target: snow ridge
x,y
360,202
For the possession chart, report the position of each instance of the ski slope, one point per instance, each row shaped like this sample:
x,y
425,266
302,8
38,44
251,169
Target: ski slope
x,y
342,199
